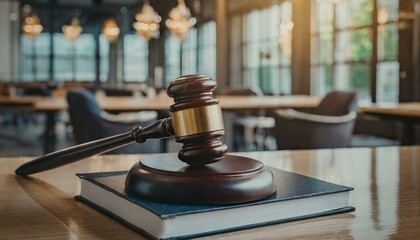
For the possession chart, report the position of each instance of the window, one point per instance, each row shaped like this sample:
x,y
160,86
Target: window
x,y
104,57
207,49
85,58
388,68
136,62
343,48
180,56
35,61
172,58
189,53
74,61
265,64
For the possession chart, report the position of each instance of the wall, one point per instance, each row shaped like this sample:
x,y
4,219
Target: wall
x,y
8,41
4,40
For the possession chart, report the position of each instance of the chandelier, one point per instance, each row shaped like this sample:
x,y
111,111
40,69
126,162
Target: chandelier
x,y
180,20
285,36
72,31
31,26
111,30
147,24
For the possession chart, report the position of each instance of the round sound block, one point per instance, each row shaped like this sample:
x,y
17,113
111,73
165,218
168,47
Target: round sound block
x,y
235,179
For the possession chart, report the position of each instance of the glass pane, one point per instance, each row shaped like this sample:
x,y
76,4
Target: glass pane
x,y
42,65
361,45
189,53
85,45
85,68
324,12
252,26
262,55
265,77
273,22
285,80
104,60
361,12
85,58
35,61
172,58
388,42
354,77
343,14
387,82
353,13
207,49
42,44
322,80
62,46
103,46
63,68
136,62
353,45
391,9
325,48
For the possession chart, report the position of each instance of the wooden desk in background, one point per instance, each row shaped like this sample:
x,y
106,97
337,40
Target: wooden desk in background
x,y
386,196
51,105
163,103
10,102
407,113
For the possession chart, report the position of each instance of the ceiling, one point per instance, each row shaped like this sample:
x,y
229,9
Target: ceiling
x,y
92,13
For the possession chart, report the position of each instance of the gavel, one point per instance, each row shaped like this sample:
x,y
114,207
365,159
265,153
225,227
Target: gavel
x,y
200,177
196,122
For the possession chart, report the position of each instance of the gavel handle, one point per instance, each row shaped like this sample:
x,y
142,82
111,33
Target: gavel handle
x,y
160,129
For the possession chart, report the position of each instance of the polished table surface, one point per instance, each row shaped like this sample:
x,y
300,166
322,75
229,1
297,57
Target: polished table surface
x,y
386,196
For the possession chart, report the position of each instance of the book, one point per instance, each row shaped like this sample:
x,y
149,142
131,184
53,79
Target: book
x,y
297,197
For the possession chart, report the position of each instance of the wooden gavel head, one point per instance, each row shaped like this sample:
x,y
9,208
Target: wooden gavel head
x,y
197,120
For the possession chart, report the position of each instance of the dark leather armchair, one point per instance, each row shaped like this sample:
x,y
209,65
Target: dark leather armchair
x,y
330,125
90,123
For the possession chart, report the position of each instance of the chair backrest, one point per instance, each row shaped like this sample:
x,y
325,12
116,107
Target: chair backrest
x,y
302,134
85,115
337,103
89,125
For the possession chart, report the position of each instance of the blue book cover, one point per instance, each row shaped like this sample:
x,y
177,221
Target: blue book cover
x,y
293,191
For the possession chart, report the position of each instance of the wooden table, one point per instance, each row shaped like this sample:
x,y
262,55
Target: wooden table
x,y
407,113
9,102
410,110
386,196
58,103
163,102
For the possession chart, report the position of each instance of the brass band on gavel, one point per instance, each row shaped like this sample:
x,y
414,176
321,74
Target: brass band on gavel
x,y
197,120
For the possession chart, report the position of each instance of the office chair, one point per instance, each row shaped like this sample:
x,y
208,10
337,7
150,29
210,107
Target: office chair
x,y
90,123
330,125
